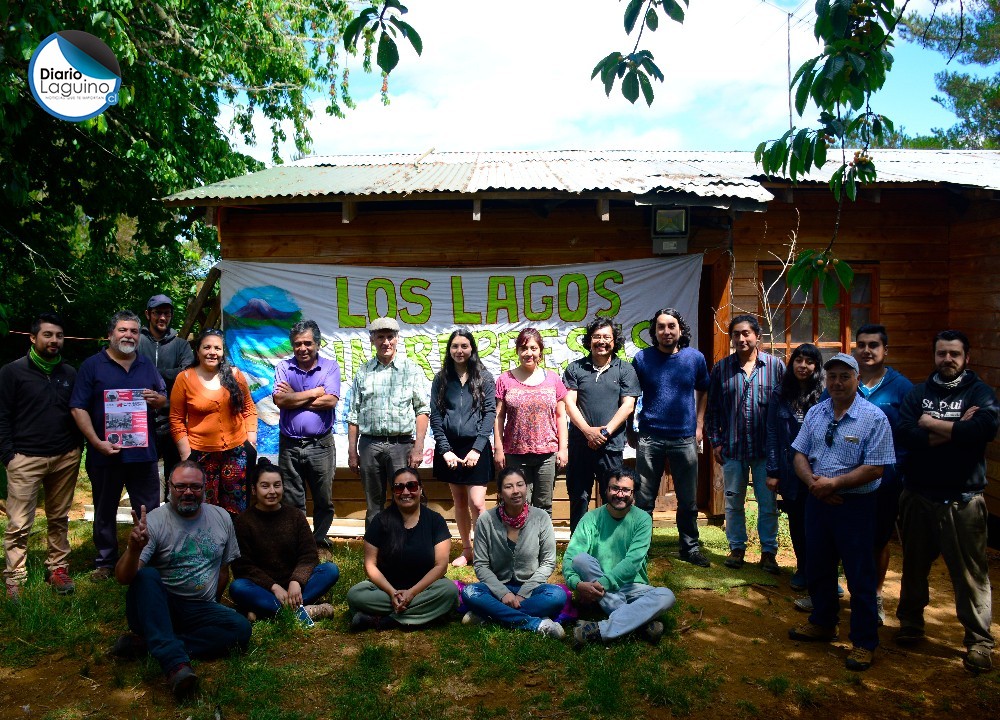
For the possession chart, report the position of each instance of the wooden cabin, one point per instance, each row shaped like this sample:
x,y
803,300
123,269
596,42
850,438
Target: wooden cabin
x,y
924,240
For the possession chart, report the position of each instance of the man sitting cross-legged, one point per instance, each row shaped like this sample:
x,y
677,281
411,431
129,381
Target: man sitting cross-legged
x,y
176,567
605,563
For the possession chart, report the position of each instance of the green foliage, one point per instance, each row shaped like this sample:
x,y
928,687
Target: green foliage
x,y
813,269
636,69
386,25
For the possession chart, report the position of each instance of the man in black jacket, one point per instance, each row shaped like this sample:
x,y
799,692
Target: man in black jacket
x,y
946,423
40,447
171,354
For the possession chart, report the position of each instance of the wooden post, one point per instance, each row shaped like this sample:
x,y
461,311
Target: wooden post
x,y
199,302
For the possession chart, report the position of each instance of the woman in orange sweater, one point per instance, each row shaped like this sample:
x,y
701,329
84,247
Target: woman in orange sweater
x,y
213,420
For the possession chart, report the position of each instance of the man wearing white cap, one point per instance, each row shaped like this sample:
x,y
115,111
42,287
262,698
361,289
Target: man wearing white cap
x,y
840,453
387,417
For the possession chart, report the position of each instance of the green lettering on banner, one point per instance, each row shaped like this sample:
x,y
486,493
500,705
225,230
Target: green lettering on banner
x,y
358,356
338,350
574,343
344,317
529,308
461,315
486,343
418,348
640,338
407,290
442,341
546,336
371,290
583,297
495,303
508,353
602,289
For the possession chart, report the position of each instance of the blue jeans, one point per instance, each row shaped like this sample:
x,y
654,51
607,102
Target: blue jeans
x,y
650,459
545,601
735,474
248,596
843,533
177,629
628,608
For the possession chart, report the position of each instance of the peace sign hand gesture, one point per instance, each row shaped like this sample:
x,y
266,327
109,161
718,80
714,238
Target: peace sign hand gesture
x,y
139,536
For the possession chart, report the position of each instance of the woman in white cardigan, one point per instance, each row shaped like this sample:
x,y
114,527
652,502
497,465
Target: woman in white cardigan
x,y
514,555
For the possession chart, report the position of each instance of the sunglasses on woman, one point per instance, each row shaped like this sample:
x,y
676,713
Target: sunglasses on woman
x,y
411,485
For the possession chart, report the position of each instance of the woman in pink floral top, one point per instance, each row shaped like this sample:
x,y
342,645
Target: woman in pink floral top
x,y
530,431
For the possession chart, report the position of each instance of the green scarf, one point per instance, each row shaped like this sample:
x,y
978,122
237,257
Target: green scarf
x,y
46,366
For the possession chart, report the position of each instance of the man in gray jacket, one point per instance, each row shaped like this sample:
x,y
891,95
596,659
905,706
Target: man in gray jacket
x,y
171,354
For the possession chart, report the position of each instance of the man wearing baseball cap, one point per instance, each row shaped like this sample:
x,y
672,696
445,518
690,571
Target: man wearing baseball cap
x,y
387,416
840,452
171,354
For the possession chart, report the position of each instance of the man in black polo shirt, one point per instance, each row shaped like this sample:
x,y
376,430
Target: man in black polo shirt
x,y
602,392
40,447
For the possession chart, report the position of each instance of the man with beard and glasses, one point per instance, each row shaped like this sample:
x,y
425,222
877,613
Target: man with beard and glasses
x,y
40,447
946,424
306,391
177,567
600,398
605,564
840,453
171,354
112,389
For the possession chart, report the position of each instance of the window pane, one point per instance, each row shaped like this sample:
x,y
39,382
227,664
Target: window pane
x,y
861,288
802,326
774,331
829,325
859,317
829,352
774,284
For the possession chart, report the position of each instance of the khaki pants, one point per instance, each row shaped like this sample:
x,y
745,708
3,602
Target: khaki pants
x,y
25,475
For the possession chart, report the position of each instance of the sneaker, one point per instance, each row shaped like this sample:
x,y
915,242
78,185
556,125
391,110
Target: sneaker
x,y
860,659
804,604
881,610
586,632
695,558
978,659
319,612
363,621
470,618
813,633
552,629
769,563
840,590
798,582
735,559
908,635
651,632
61,582
129,647
183,682
101,574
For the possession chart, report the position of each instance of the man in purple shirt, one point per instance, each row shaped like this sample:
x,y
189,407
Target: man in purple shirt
x,y
306,391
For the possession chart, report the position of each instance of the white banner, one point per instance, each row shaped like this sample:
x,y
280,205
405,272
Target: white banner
x,y
261,302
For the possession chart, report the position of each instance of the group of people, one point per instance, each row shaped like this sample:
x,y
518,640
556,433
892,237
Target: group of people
x,y
848,444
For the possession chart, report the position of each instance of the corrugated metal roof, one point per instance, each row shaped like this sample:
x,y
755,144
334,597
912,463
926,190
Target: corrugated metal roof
x,y
718,175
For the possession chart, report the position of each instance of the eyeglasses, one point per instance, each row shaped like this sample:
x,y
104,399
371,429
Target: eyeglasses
x,y
182,489
831,430
615,490
411,485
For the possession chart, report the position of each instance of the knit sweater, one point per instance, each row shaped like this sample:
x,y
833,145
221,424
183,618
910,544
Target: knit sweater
x,y
206,418
620,546
531,562
275,547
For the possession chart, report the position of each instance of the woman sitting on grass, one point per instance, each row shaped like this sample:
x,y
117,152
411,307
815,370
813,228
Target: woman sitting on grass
x,y
278,564
515,553
406,556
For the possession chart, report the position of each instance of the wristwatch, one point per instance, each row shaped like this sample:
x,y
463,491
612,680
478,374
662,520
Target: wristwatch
x,y
604,432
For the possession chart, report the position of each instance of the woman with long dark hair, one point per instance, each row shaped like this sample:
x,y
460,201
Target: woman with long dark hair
x,y
406,556
213,420
463,408
515,555
801,387
530,431
278,565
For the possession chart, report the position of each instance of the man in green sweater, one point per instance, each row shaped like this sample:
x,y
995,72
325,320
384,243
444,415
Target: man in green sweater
x,y
605,563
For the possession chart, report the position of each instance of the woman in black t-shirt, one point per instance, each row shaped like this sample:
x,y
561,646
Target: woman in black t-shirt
x,y
406,556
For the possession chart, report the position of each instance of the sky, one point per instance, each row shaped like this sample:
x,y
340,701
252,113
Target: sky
x,y
515,75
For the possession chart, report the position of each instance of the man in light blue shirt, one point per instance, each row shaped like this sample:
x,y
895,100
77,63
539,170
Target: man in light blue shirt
x,y
840,452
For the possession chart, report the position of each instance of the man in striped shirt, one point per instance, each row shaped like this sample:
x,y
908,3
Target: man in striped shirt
x,y
738,392
388,415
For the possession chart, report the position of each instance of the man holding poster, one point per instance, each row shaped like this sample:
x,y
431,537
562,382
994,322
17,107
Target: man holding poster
x,y
389,403
116,394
